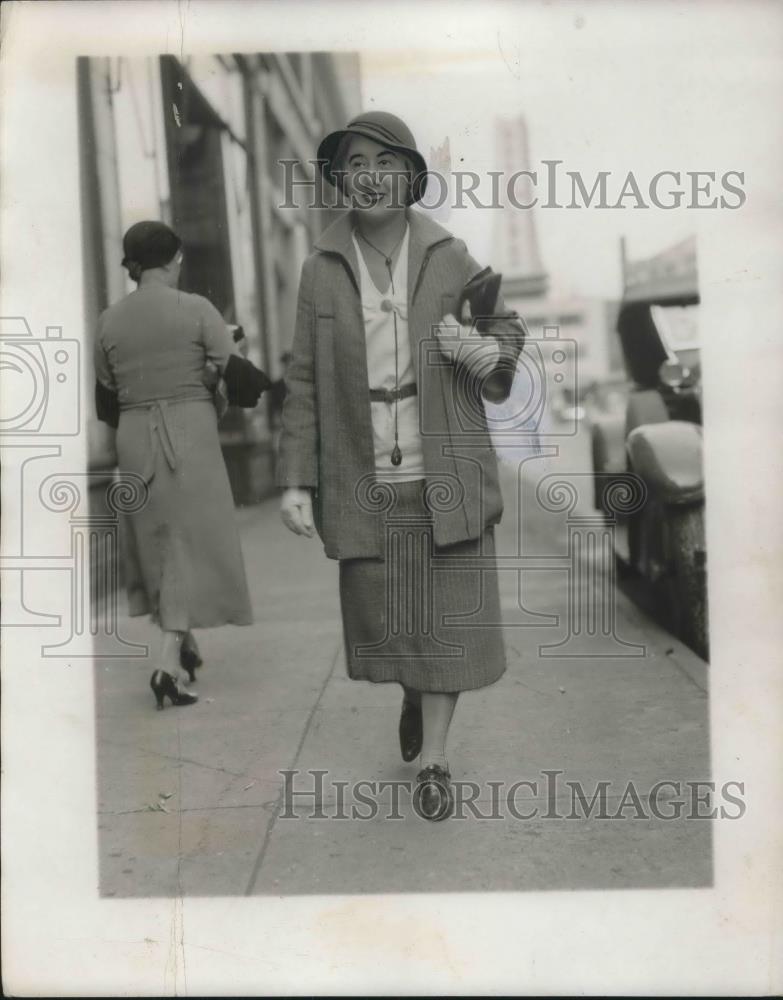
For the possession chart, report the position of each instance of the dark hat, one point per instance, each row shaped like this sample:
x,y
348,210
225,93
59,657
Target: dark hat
x,y
386,129
147,245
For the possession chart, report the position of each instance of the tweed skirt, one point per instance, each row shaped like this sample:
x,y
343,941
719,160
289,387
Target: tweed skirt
x,y
424,616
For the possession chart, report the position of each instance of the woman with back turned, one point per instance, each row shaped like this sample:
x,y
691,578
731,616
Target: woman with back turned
x,y
153,354
374,449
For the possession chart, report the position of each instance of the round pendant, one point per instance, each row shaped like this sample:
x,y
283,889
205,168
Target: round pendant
x,y
396,456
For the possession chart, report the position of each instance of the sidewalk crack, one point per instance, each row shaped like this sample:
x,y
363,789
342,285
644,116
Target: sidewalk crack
x,y
143,751
279,802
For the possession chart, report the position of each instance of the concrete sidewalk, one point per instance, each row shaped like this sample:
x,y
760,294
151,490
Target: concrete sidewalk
x,y
275,696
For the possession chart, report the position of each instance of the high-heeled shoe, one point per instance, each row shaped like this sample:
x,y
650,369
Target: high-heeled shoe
x,y
165,686
434,795
410,730
189,659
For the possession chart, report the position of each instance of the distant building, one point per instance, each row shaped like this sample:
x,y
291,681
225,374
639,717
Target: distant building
x,y
515,228
670,274
198,144
584,322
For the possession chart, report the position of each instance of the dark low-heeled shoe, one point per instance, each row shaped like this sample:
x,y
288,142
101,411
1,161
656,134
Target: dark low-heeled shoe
x,y
434,796
165,686
190,660
411,730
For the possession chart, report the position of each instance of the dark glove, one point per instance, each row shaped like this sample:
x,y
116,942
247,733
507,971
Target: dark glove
x,y
481,292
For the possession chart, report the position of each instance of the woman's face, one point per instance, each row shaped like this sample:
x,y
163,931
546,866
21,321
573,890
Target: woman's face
x,y
377,180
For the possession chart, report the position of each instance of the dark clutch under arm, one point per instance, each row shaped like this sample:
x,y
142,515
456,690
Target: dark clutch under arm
x,y
244,382
107,405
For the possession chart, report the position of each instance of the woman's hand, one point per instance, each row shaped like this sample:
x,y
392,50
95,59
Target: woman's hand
x,y
461,342
296,509
211,376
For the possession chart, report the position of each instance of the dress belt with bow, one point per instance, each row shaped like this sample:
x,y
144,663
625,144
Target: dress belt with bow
x,y
159,432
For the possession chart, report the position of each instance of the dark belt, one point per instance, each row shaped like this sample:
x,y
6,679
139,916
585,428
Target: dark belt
x,y
392,395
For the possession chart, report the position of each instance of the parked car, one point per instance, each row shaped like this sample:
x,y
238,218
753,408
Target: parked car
x,y
567,406
659,440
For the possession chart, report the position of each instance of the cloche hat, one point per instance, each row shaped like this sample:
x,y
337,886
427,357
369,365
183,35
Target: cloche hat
x,y
384,128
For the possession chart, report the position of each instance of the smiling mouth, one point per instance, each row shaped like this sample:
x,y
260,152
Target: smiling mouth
x,y
373,197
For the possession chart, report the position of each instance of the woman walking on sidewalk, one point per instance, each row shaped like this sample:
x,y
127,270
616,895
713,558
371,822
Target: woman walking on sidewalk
x,y
154,352
372,449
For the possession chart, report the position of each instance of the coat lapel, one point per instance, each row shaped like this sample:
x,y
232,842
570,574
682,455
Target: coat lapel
x,y
424,234
336,239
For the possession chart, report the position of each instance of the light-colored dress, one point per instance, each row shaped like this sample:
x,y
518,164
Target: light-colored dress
x,y
151,349
388,368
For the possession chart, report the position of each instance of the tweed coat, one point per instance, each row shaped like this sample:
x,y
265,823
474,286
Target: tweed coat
x,y
327,441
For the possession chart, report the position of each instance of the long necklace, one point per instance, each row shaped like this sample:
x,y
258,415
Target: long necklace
x,y
386,257
387,306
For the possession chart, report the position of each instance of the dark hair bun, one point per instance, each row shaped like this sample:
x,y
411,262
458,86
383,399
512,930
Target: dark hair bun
x,y
148,245
134,269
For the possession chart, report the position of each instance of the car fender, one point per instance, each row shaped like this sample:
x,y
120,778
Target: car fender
x,y
668,457
645,406
607,444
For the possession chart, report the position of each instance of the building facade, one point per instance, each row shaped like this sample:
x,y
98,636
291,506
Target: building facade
x,y
201,145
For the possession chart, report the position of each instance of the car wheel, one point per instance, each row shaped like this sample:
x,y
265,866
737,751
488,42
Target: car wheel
x,y
689,578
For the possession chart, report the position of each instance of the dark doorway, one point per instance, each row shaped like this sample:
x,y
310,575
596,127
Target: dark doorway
x,y
198,190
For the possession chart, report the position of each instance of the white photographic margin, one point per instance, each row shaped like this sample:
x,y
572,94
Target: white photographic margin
x,y
59,936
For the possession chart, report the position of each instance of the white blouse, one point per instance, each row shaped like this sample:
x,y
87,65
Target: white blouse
x,y
383,374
